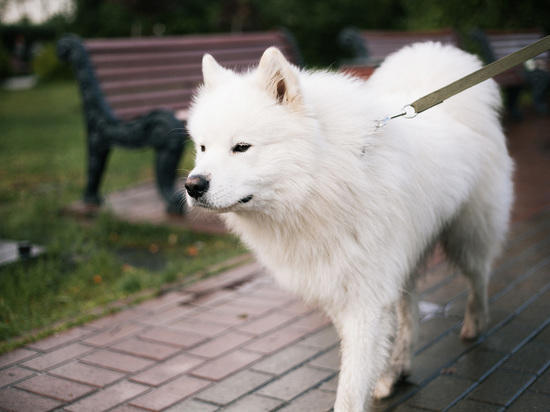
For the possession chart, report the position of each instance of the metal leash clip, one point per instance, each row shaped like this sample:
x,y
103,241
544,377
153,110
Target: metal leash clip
x,y
407,112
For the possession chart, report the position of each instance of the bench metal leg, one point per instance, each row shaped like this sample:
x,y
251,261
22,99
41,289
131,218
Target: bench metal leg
x,y
97,159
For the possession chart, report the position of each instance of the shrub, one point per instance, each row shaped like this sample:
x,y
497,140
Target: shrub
x,y
5,67
47,66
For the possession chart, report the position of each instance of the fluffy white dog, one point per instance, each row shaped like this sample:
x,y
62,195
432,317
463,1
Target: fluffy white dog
x,y
343,212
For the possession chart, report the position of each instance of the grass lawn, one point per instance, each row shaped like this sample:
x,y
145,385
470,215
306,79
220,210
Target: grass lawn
x,y
86,267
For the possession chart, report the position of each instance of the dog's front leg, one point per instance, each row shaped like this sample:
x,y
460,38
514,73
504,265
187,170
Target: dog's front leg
x,y
365,348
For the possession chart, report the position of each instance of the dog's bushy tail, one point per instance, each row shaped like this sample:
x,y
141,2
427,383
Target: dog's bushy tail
x,y
426,67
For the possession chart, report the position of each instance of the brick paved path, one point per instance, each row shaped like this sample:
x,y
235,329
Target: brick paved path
x,y
236,342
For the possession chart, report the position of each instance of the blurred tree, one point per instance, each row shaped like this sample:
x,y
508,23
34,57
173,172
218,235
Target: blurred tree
x,y
487,14
315,24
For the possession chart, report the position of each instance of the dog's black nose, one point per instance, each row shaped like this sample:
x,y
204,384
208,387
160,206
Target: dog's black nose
x,y
196,185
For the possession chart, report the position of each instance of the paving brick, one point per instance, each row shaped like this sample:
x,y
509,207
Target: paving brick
x,y
221,344
542,384
12,375
246,307
111,321
234,387
468,405
440,353
57,357
167,315
285,359
329,360
407,408
500,387
476,363
226,365
112,335
117,361
212,299
16,400
16,356
323,339
434,328
59,339
55,388
191,405
267,323
312,322
108,398
531,402
199,326
440,392
169,394
298,307
220,317
331,385
165,301
531,358
294,383
533,316
168,370
254,403
276,340
315,400
126,408
507,338
173,337
91,375
225,279
151,350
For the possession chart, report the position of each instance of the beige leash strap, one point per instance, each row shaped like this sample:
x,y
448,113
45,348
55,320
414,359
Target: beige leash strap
x,y
472,79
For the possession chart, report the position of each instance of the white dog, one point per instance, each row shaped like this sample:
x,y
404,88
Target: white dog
x,y
343,212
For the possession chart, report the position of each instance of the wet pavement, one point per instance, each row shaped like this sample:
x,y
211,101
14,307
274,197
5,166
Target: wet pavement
x,y
236,342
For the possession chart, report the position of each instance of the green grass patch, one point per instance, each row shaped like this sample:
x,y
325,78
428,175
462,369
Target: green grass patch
x,y
86,267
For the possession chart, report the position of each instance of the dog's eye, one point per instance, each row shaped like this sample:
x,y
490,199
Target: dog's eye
x,y
240,147
203,148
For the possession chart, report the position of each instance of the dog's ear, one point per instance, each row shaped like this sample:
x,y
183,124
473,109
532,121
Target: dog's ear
x,y
212,72
279,77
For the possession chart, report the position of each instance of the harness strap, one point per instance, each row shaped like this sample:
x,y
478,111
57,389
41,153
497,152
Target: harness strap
x,y
472,79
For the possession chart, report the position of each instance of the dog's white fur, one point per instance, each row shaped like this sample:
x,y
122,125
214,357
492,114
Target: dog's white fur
x,y
342,212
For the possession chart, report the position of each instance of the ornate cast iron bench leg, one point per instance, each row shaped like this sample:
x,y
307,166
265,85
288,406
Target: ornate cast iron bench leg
x,y
159,129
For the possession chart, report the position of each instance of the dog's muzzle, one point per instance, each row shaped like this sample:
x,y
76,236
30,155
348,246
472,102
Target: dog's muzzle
x,y
197,185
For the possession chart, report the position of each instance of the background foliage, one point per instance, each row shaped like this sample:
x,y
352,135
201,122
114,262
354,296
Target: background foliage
x,y
315,24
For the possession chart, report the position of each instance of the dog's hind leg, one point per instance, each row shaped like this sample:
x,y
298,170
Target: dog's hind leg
x,y
406,322
365,346
472,242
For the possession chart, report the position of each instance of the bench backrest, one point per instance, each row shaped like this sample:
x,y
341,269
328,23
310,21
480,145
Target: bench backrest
x,y
496,44
381,43
137,75
505,42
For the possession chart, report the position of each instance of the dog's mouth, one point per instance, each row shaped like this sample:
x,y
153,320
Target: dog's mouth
x,y
246,199
201,202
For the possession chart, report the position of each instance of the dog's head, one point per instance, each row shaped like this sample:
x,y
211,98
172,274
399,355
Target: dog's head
x,y
252,135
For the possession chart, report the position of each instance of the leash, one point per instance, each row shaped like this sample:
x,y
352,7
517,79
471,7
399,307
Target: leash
x,y
485,73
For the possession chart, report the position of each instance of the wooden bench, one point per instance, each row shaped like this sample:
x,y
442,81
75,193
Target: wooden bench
x,y
371,47
495,44
136,92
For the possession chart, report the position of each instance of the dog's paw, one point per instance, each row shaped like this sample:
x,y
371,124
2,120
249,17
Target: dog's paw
x,y
383,388
472,327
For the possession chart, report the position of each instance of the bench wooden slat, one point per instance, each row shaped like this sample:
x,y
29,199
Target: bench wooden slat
x,y
371,47
130,66
162,83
